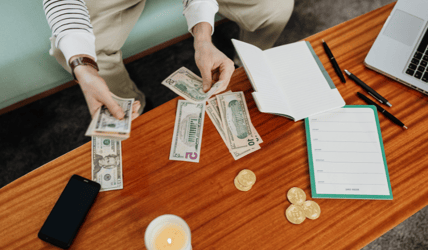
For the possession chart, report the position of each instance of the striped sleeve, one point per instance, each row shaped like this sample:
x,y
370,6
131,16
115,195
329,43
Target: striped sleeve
x,y
71,27
198,11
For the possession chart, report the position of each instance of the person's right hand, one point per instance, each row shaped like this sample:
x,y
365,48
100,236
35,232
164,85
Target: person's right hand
x,y
96,91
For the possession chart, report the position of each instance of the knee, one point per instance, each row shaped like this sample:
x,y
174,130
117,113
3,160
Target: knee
x,y
268,13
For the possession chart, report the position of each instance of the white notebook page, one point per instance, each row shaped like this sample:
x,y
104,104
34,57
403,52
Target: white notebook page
x,y
300,78
347,156
270,98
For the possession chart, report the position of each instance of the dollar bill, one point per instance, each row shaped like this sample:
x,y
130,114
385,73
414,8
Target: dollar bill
x,y
238,153
236,121
189,86
215,118
213,103
107,163
105,125
187,137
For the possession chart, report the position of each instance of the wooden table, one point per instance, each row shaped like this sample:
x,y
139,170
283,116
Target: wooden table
x,y
203,194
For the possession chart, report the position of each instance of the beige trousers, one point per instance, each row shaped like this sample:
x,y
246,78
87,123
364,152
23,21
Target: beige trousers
x,y
261,22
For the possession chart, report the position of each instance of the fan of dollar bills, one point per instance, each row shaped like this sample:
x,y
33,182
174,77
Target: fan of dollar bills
x,y
228,112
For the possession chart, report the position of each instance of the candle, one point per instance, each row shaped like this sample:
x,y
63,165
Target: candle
x,y
168,232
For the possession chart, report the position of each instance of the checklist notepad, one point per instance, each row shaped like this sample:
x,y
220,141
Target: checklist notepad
x,y
289,80
346,154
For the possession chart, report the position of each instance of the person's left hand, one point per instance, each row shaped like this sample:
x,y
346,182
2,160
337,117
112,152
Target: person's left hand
x,y
212,63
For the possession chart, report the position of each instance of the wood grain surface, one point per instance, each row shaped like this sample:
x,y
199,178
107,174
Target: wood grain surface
x,y
203,194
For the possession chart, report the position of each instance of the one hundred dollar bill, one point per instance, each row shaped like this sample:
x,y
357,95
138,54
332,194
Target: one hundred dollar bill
x,y
189,86
107,163
236,121
105,125
187,137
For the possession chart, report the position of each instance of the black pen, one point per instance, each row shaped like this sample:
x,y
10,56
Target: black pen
x,y
333,61
369,90
383,111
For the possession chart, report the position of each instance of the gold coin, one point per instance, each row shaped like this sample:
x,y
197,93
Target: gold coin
x,y
295,214
241,187
246,178
312,209
296,195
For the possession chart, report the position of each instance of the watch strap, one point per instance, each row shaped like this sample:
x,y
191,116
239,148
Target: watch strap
x,y
82,61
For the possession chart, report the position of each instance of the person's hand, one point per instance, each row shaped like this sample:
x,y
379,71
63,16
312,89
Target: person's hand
x,y
135,107
97,93
212,63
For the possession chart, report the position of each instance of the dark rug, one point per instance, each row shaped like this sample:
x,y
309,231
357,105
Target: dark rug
x,y
46,129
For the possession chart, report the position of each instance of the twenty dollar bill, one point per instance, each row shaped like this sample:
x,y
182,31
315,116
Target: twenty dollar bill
x,y
187,137
189,86
106,125
107,163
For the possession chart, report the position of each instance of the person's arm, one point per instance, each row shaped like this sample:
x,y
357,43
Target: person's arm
x,y
212,63
70,24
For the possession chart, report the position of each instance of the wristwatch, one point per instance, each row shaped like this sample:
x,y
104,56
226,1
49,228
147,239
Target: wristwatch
x,y
82,61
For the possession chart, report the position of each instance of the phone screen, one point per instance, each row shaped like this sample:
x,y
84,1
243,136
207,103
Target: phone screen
x,y
69,211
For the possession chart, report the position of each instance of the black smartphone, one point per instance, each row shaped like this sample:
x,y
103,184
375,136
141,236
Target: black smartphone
x,y
70,210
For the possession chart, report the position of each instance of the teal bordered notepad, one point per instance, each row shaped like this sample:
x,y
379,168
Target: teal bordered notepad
x,y
346,154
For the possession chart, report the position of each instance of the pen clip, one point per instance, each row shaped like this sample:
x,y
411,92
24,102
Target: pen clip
x,y
375,97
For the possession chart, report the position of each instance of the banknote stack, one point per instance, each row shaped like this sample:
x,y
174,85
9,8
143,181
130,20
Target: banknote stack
x,y
105,125
228,112
107,163
300,209
230,116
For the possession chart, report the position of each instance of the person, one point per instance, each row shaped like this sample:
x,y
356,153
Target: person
x,y
87,38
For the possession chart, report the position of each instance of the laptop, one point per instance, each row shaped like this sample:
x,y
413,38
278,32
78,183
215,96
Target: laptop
x,y
401,48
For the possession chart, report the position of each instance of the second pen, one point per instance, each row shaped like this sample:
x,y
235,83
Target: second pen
x,y
369,90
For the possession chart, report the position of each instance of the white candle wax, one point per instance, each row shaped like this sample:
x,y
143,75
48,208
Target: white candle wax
x,y
168,232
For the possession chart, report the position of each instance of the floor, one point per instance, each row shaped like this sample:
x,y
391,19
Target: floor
x,y
46,129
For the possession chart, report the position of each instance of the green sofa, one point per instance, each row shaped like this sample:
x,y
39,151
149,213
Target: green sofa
x,y
27,69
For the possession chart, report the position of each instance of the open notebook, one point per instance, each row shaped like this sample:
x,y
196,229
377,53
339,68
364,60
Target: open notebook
x,y
289,80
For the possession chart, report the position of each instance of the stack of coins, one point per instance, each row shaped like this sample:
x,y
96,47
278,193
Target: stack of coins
x,y
300,209
245,180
